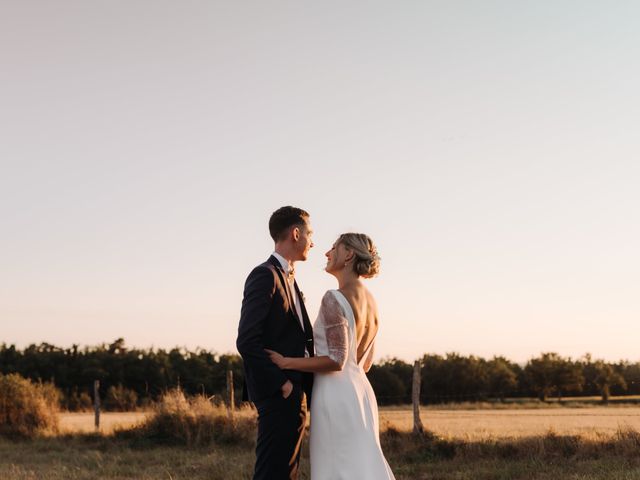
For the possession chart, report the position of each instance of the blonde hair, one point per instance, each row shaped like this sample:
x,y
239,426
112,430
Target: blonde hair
x,y
367,261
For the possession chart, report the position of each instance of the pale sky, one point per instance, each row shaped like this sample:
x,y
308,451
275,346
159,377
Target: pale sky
x,y
490,149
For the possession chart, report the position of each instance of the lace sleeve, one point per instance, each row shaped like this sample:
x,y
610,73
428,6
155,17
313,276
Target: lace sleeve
x,y
336,329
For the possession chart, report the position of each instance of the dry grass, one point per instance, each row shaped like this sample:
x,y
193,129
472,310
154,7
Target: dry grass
x,y
549,457
27,409
480,424
193,421
191,438
533,403
88,457
545,457
486,424
624,445
83,422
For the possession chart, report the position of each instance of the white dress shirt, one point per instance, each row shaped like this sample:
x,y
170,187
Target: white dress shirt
x,y
286,266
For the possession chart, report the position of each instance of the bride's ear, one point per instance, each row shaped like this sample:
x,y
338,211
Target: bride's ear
x,y
350,256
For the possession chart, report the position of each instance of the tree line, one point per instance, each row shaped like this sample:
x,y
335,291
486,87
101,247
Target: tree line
x,y
456,378
132,377
129,377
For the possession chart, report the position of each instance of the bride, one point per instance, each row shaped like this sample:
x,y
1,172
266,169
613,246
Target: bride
x,y
344,441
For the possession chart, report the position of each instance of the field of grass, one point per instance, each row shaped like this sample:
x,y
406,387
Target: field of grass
x,y
550,457
478,424
483,424
462,444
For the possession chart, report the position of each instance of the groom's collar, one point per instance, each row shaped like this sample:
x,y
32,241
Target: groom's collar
x,y
284,263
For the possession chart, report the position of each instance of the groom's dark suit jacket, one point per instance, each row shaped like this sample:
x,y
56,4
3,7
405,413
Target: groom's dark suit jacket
x,y
268,319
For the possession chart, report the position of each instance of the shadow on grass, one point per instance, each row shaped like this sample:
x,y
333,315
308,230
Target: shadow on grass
x,y
421,448
405,446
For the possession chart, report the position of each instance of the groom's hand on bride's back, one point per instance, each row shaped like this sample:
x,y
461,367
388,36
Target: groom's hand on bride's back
x,y
287,388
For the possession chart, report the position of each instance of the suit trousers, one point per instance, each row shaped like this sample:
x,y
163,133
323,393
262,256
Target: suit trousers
x,y
281,424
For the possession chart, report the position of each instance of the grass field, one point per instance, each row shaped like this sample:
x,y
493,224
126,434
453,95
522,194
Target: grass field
x,y
541,458
485,423
482,444
479,424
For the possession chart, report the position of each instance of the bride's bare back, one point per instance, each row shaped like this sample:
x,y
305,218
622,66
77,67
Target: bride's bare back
x,y
365,312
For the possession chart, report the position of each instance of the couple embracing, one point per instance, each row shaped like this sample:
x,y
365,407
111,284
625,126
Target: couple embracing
x,y
285,358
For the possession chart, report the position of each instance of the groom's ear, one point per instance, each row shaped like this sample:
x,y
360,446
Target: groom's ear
x,y
296,233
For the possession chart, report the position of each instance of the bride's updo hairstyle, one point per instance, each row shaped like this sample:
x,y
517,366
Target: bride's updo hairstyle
x,y
366,261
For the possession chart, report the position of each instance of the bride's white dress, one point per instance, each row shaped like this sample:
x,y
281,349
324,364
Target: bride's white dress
x,y
344,441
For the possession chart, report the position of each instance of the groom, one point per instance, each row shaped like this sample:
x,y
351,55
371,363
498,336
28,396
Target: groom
x,y
273,316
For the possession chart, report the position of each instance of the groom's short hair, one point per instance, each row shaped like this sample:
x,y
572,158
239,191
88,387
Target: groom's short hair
x,y
283,219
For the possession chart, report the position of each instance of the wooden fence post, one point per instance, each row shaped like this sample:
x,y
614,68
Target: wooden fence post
x,y
96,402
231,403
415,394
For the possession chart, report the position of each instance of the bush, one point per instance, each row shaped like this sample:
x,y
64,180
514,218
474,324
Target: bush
x,y
76,401
27,409
120,399
194,421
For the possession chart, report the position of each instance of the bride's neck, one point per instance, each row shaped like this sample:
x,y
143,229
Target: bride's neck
x,y
347,279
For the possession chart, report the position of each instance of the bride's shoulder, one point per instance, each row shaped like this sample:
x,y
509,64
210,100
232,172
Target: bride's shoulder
x,y
330,298
329,295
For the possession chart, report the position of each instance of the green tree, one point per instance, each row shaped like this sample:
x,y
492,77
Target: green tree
x,y
631,374
551,373
539,374
567,376
454,378
607,377
502,377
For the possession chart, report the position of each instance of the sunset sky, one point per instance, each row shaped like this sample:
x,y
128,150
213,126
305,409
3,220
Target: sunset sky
x,y
490,149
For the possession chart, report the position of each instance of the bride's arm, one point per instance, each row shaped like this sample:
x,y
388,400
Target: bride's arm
x,y
335,324
319,364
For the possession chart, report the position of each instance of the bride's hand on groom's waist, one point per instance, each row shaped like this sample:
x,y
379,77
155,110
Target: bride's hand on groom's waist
x,y
276,358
